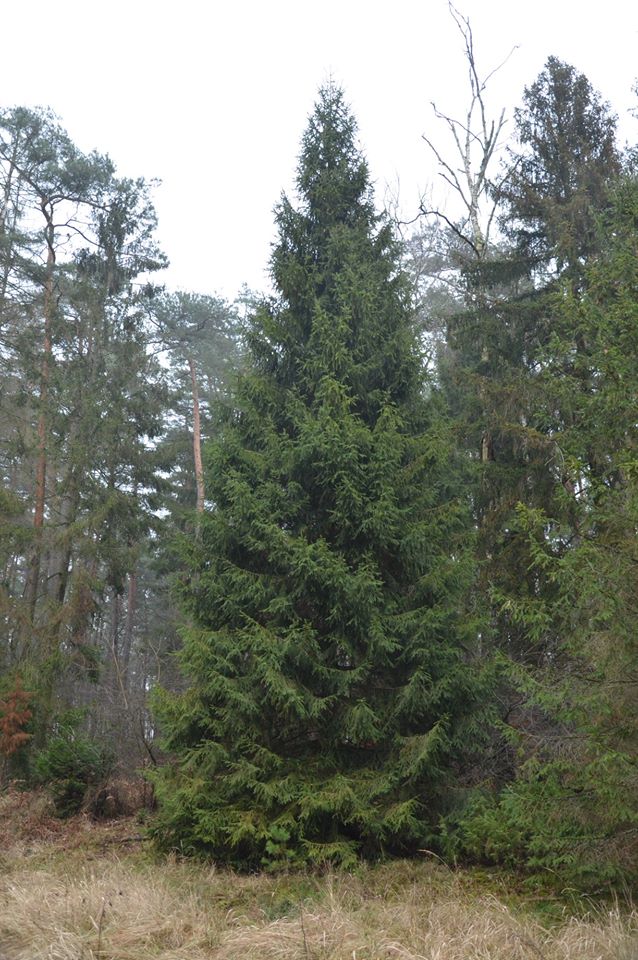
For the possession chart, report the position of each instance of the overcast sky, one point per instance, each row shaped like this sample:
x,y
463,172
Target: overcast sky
x,y
212,97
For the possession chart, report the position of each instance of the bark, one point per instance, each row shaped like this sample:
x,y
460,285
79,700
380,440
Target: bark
x,y
197,440
131,610
33,576
487,447
7,228
61,560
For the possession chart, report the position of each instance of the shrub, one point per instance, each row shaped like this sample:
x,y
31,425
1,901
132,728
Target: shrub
x,y
70,765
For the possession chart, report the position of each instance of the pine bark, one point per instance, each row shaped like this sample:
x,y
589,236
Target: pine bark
x,y
197,439
33,576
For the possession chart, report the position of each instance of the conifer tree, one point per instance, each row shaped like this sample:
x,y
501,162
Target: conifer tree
x,y
551,360
331,697
560,171
82,398
572,807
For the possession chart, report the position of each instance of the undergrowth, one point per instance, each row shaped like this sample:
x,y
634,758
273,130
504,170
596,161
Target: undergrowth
x,y
96,891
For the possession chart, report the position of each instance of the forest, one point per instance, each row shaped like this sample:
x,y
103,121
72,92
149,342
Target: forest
x,y
348,571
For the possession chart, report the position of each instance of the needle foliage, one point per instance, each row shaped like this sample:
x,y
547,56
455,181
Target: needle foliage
x,y
331,693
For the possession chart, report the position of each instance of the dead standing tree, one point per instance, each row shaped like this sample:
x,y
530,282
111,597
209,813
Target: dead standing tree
x,y
474,170
477,140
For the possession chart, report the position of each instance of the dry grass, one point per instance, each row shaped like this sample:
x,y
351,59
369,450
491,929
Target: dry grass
x,y
62,902
28,820
127,911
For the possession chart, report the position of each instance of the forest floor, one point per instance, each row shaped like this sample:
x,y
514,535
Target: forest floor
x,y
83,890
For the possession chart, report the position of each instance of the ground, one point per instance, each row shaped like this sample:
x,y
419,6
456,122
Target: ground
x,y
87,890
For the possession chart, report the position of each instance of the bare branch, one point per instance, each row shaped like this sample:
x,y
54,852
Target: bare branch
x,y
475,134
453,227
442,163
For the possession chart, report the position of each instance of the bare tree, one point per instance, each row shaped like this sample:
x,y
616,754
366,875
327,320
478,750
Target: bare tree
x,y
476,141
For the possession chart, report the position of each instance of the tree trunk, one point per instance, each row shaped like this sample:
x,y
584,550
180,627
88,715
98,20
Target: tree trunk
x,y
6,230
131,610
197,442
61,559
33,576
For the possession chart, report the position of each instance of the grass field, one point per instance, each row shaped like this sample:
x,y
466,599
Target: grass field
x,y
85,891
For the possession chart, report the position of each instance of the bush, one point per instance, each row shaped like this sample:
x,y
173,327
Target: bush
x,y
571,823
70,765
15,715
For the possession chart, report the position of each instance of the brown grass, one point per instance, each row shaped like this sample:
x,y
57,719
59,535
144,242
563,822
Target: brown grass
x,y
27,817
73,902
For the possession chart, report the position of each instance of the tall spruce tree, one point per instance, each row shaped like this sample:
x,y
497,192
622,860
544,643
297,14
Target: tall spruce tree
x,y
499,347
332,698
550,361
572,808
561,171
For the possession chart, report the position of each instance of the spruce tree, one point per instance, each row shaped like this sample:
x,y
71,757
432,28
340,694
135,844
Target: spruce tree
x,y
551,360
572,808
561,170
499,347
332,698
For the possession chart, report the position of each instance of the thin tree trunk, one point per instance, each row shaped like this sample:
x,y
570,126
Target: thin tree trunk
x,y
4,229
197,441
31,590
61,560
115,624
131,610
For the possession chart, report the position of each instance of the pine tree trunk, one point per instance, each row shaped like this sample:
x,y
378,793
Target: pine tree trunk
x,y
4,230
61,560
197,441
131,610
33,576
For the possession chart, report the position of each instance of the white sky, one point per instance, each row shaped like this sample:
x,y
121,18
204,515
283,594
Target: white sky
x,y
212,97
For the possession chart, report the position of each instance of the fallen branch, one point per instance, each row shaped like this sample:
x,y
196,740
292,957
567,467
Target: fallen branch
x,y
138,838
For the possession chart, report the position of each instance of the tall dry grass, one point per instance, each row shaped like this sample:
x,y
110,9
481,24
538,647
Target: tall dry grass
x,y
71,908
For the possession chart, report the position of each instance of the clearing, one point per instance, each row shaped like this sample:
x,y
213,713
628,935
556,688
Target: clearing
x,y
82,890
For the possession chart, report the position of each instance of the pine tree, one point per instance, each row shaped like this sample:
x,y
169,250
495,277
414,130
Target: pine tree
x,y
82,398
201,335
331,697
